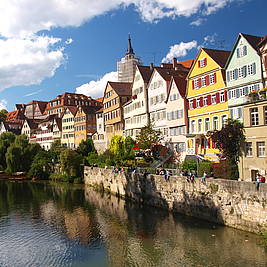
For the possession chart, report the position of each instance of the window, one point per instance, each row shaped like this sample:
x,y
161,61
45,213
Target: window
x,y
212,78
222,97
205,101
202,62
261,149
203,81
180,147
215,123
224,120
241,51
213,99
198,103
196,83
254,117
207,124
191,106
248,149
193,126
199,125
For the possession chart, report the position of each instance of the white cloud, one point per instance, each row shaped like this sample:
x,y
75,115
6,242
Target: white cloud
x,y
24,17
96,88
33,93
179,50
3,104
28,61
198,22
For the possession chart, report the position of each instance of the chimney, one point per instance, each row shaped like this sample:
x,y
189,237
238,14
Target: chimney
x,y
174,62
151,66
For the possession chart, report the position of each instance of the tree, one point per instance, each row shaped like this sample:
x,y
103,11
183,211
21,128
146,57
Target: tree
x,y
55,150
230,141
86,147
13,159
128,148
70,162
148,136
6,139
3,115
41,165
116,146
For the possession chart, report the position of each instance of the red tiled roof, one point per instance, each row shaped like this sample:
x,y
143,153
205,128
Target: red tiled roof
x,y
187,63
100,99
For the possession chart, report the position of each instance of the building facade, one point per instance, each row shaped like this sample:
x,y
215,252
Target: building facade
x,y
115,96
208,106
135,111
255,124
243,73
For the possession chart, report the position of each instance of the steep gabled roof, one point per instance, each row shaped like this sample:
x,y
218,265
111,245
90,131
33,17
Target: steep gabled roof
x,y
180,84
263,41
122,88
72,109
145,72
33,124
219,56
252,40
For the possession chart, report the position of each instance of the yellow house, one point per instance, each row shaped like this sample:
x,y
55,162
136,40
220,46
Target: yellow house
x,y
115,96
68,136
84,124
207,98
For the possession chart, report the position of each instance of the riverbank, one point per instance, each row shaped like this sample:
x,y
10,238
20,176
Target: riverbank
x,y
17,176
232,203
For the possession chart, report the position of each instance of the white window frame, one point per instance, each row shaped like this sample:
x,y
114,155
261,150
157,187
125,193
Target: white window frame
x,y
205,121
213,99
222,97
260,149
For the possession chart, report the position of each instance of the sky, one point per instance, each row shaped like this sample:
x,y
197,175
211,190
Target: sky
x,y
49,47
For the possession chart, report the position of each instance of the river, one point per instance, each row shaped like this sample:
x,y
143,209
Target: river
x,y
43,224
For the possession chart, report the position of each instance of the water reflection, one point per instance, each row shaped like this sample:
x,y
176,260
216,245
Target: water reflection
x,y
60,225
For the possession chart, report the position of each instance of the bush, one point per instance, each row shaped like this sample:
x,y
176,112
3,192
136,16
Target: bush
x,y
77,180
189,165
59,177
204,166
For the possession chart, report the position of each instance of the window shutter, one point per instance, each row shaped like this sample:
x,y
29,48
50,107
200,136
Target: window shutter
x,y
205,61
215,77
201,101
199,83
198,63
209,100
194,103
193,85
254,68
231,113
244,50
244,71
239,113
207,78
238,52
228,76
217,98
225,96
235,74
246,90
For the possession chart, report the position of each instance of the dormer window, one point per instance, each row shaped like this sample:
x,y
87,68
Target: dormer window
x,y
241,51
202,63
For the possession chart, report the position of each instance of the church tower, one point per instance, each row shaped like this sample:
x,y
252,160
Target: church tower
x,y
126,67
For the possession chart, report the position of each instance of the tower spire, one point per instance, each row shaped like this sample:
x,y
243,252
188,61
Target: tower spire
x,y
129,49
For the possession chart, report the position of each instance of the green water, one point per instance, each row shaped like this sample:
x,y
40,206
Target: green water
x,y
44,224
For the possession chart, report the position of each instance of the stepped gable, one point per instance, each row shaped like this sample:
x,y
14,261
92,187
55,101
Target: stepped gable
x,y
220,56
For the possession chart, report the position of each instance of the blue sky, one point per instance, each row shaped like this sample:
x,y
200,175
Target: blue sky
x,y
52,47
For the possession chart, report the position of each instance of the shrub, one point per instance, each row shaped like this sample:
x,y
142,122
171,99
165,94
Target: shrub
x,y
204,166
189,165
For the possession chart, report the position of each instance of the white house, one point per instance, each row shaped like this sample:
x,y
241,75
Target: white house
x,y
135,111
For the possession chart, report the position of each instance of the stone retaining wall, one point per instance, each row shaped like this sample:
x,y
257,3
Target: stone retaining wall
x,y
232,203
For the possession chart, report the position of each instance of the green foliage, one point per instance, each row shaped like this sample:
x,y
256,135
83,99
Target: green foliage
x,y
148,136
128,147
13,159
86,147
3,114
55,150
6,139
70,162
61,177
230,141
204,166
116,146
41,165
264,239
189,165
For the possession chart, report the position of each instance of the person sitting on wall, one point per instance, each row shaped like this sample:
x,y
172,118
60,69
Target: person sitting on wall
x,y
262,179
203,178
